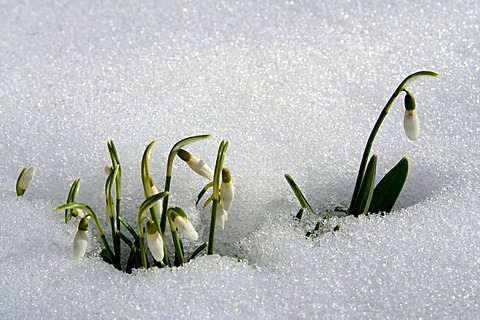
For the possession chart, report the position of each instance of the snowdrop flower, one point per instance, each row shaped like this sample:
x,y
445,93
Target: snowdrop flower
x,y
80,242
154,241
24,180
410,120
227,190
184,226
196,164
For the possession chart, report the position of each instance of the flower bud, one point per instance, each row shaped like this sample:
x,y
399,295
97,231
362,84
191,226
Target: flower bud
x,y
196,164
227,190
24,180
154,241
184,226
108,170
80,242
411,124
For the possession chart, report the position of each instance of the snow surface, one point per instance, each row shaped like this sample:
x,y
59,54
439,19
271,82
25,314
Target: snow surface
x,y
295,86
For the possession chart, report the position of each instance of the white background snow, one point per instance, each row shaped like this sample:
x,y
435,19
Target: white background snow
x,y
295,86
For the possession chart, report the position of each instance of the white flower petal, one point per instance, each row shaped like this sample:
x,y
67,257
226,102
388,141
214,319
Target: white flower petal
x,y
80,243
185,228
222,217
155,245
411,125
200,167
227,193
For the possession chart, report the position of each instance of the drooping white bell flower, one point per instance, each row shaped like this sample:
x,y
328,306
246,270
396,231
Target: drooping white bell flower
x,y
24,180
80,242
227,190
185,228
154,241
410,120
411,124
196,164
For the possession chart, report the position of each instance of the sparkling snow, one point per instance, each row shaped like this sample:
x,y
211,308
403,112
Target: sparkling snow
x,y
295,87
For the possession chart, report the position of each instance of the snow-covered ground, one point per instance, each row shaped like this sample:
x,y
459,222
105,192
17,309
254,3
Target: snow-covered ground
x,y
295,87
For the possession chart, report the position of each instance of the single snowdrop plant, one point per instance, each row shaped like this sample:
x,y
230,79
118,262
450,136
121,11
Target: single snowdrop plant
x,y
217,217
153,213
80,242
366,197
24,180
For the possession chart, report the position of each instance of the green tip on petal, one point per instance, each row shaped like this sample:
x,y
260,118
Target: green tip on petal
x,y
409,101
151,227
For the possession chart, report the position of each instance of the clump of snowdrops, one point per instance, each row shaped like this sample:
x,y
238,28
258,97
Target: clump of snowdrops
x,y
153,213
368,197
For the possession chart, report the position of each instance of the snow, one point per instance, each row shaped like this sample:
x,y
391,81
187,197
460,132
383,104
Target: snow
x,y
295,87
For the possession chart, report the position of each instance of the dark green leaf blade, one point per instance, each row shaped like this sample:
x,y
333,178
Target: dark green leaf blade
x,y
388,189
366,189
298,193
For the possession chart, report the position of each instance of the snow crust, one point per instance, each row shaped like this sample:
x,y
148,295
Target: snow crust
x,y
295,87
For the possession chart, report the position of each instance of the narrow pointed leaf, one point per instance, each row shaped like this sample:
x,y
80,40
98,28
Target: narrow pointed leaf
x,y
298,193
366,189
198,250
148,203
388,189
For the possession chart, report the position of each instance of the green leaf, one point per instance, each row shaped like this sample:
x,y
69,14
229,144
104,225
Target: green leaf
x,y
72,194
128,227
388,189
298,193
72,205
365,193
148,203
198,250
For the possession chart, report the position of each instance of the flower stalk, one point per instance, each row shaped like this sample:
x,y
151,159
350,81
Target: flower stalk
x,y
376,127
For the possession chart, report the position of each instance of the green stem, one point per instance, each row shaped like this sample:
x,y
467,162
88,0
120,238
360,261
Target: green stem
x,y
163,219
222,150
211,235
176,242
141,239
142,252
376,127
111,256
